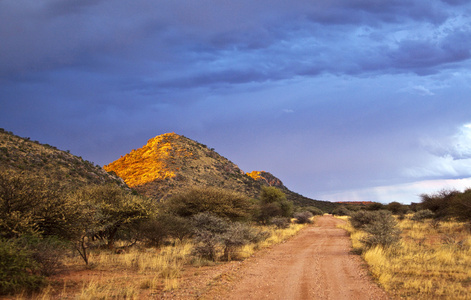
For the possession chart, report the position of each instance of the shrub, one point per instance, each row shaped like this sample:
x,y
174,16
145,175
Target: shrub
x,y
111,209
461,206
213,234
303,217
396,208
341,211
280,222
313,210
176,226
362,218
156,229
48,252
18,270
208,231
223,203
152,232
439,203
238,235
375,206
31,205
422,215
272,204
383,231
271,194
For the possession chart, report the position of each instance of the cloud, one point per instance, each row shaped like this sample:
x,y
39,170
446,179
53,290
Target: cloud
x,y
456,147
421,90
403,193
324,94
183,45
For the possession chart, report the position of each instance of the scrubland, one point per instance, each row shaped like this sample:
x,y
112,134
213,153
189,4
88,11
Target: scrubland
x,y
432,260
139,272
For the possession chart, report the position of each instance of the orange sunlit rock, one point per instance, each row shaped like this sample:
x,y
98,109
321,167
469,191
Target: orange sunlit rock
x,y
266,177
155,160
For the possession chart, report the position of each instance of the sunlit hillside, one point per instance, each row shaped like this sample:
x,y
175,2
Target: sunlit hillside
x,y
159,159
170,163
266,177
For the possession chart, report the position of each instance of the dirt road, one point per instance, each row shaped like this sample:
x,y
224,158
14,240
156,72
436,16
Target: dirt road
x,y
315,264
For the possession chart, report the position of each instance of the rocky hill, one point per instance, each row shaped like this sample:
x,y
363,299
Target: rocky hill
x,y
19,154
170,163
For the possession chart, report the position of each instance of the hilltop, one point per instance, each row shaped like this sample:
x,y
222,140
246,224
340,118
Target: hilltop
x,y
21,155
170,163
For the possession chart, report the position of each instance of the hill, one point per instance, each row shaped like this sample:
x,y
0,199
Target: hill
x,y
170,163
19,154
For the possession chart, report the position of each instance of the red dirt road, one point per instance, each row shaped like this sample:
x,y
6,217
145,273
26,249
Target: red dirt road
x,y
315,264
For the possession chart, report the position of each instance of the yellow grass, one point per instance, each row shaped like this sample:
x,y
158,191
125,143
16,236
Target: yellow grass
x,y
428,263
276,236
138,272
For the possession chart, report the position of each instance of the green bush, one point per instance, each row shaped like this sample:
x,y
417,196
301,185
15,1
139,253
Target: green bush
x,y
273,203
32,205
223,203
439,203
341,211
18,270
48,252
422,215
156,229
313,210
362,218
461,206
382,231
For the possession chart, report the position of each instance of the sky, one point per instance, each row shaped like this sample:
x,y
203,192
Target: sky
x,y
343,100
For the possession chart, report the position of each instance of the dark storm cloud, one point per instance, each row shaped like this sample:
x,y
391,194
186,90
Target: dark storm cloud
x,y
349,86
183,36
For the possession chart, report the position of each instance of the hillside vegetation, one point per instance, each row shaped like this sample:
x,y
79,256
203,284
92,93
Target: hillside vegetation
x,y
59,212
21,155
170,164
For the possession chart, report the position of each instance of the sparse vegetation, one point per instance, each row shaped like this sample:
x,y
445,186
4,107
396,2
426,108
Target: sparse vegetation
x,y
222,203
432,258
304,217
84,218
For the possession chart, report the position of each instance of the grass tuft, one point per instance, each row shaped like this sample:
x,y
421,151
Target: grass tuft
x,y
429,262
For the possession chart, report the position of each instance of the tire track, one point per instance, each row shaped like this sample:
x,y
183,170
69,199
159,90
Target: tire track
x,y
315,264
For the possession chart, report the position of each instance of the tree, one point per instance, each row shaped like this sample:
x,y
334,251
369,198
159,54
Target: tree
x,y
375,206
30,205
223,203
439,203
461,206
273,203
395,208
110,209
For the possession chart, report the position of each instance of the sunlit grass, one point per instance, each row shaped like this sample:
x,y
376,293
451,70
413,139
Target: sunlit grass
x,y
137,271
430,262
277,236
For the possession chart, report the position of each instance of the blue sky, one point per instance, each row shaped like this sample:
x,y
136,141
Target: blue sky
x,y
341,99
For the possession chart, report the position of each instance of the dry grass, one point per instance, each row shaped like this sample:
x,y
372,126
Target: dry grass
x,y
429,263
138,273
276,236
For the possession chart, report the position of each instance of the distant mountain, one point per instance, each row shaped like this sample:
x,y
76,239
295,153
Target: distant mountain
x,y
19,154
170,163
